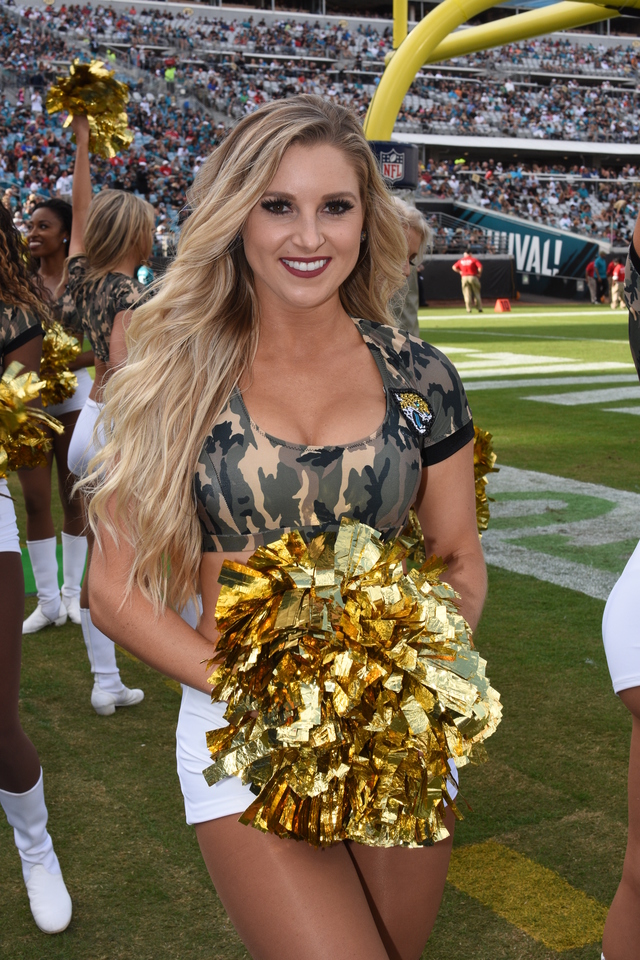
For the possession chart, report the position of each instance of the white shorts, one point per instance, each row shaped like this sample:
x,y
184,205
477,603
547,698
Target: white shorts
x,y
621,627
229,796
78,398
9,539
82,448
202,802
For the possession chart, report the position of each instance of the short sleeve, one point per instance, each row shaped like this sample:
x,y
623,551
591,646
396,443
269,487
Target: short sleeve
x,y
127,294
439,382
76,272
19,326
632,296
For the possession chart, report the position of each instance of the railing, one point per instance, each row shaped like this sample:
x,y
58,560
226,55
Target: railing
x,y
454,235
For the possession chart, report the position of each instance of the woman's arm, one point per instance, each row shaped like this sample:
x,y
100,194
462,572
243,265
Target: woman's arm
x,y
446,508
165,642
84,359
81,191
29,355
117,343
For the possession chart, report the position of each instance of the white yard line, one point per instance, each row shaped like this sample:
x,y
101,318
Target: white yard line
x,y
553,382
509,335
620,523
577,367
579,397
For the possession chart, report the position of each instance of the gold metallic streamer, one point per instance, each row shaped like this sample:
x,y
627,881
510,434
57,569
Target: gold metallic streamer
x,y
58,350
484,462
24,436
91,90
349,686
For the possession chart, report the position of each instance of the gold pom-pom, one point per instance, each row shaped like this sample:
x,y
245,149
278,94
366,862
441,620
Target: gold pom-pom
x,y
349,687
92,90
484,462
24,431
58,350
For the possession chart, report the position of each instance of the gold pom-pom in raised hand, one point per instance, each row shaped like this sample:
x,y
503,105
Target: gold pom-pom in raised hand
x,y
24,431
91,90
350,686
59,348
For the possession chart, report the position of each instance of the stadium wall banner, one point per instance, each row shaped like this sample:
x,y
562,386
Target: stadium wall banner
x,y
397,162
546,259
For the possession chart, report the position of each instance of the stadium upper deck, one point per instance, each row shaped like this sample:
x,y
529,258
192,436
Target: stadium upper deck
x,y
229,62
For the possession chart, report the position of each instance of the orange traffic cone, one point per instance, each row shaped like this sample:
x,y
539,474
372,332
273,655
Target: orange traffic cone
x,y
502,306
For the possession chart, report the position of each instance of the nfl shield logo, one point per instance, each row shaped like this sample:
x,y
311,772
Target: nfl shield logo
x,y
392,165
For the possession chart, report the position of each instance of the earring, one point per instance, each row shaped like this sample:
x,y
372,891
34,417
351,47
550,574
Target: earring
x,y
363,236
65,240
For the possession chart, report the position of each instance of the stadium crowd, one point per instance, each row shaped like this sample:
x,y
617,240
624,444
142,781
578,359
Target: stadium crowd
x,y
177,119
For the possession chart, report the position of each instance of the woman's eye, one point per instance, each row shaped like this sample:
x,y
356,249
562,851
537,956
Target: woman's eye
x,y
275,206
412,261
337,207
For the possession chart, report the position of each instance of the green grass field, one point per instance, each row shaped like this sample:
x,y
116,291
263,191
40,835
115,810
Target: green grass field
x,y
538,857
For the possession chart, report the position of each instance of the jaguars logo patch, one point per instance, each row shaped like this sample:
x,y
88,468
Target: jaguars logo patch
x,y
416,411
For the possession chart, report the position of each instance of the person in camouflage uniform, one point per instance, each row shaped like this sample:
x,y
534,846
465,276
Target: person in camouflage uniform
x,y
110,237
621,634
49,234
419,239
273,393
21,781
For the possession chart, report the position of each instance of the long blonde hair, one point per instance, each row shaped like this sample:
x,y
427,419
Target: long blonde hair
x,y
412,219
117,223
190,344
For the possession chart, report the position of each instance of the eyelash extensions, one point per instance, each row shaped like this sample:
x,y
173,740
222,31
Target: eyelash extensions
x,y
271,205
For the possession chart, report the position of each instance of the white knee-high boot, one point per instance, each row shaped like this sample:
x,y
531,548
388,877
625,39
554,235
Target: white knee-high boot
x,y
50,609
74,555
108,691
48,896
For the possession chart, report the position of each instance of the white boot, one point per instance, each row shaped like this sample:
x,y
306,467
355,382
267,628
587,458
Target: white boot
x,y
74,555
50,609
108,691
48,896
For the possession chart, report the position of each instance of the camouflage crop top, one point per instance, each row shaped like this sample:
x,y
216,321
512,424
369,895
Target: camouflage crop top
x,y
18,325
251,488
97,302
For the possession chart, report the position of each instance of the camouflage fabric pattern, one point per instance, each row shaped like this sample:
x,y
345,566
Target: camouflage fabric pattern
x,y
632,296
97,303
16,321
65,312
251,488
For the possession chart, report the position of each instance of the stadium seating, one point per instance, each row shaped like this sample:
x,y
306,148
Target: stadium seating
x,y
226,68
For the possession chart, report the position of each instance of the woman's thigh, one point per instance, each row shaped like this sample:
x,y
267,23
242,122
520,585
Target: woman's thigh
x,y
631,699
287,900
72,505
404,889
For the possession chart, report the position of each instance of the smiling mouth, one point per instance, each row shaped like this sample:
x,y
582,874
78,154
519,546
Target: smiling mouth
x,y
306,268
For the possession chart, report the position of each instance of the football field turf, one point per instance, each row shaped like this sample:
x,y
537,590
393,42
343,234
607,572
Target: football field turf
x,y
538,856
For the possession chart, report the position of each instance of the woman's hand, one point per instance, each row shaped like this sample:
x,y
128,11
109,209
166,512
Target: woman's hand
x,y
80,127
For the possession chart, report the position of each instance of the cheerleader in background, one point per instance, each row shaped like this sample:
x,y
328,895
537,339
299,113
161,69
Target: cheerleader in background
x,y
419,236
621,634
49,236
111,236
21,783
